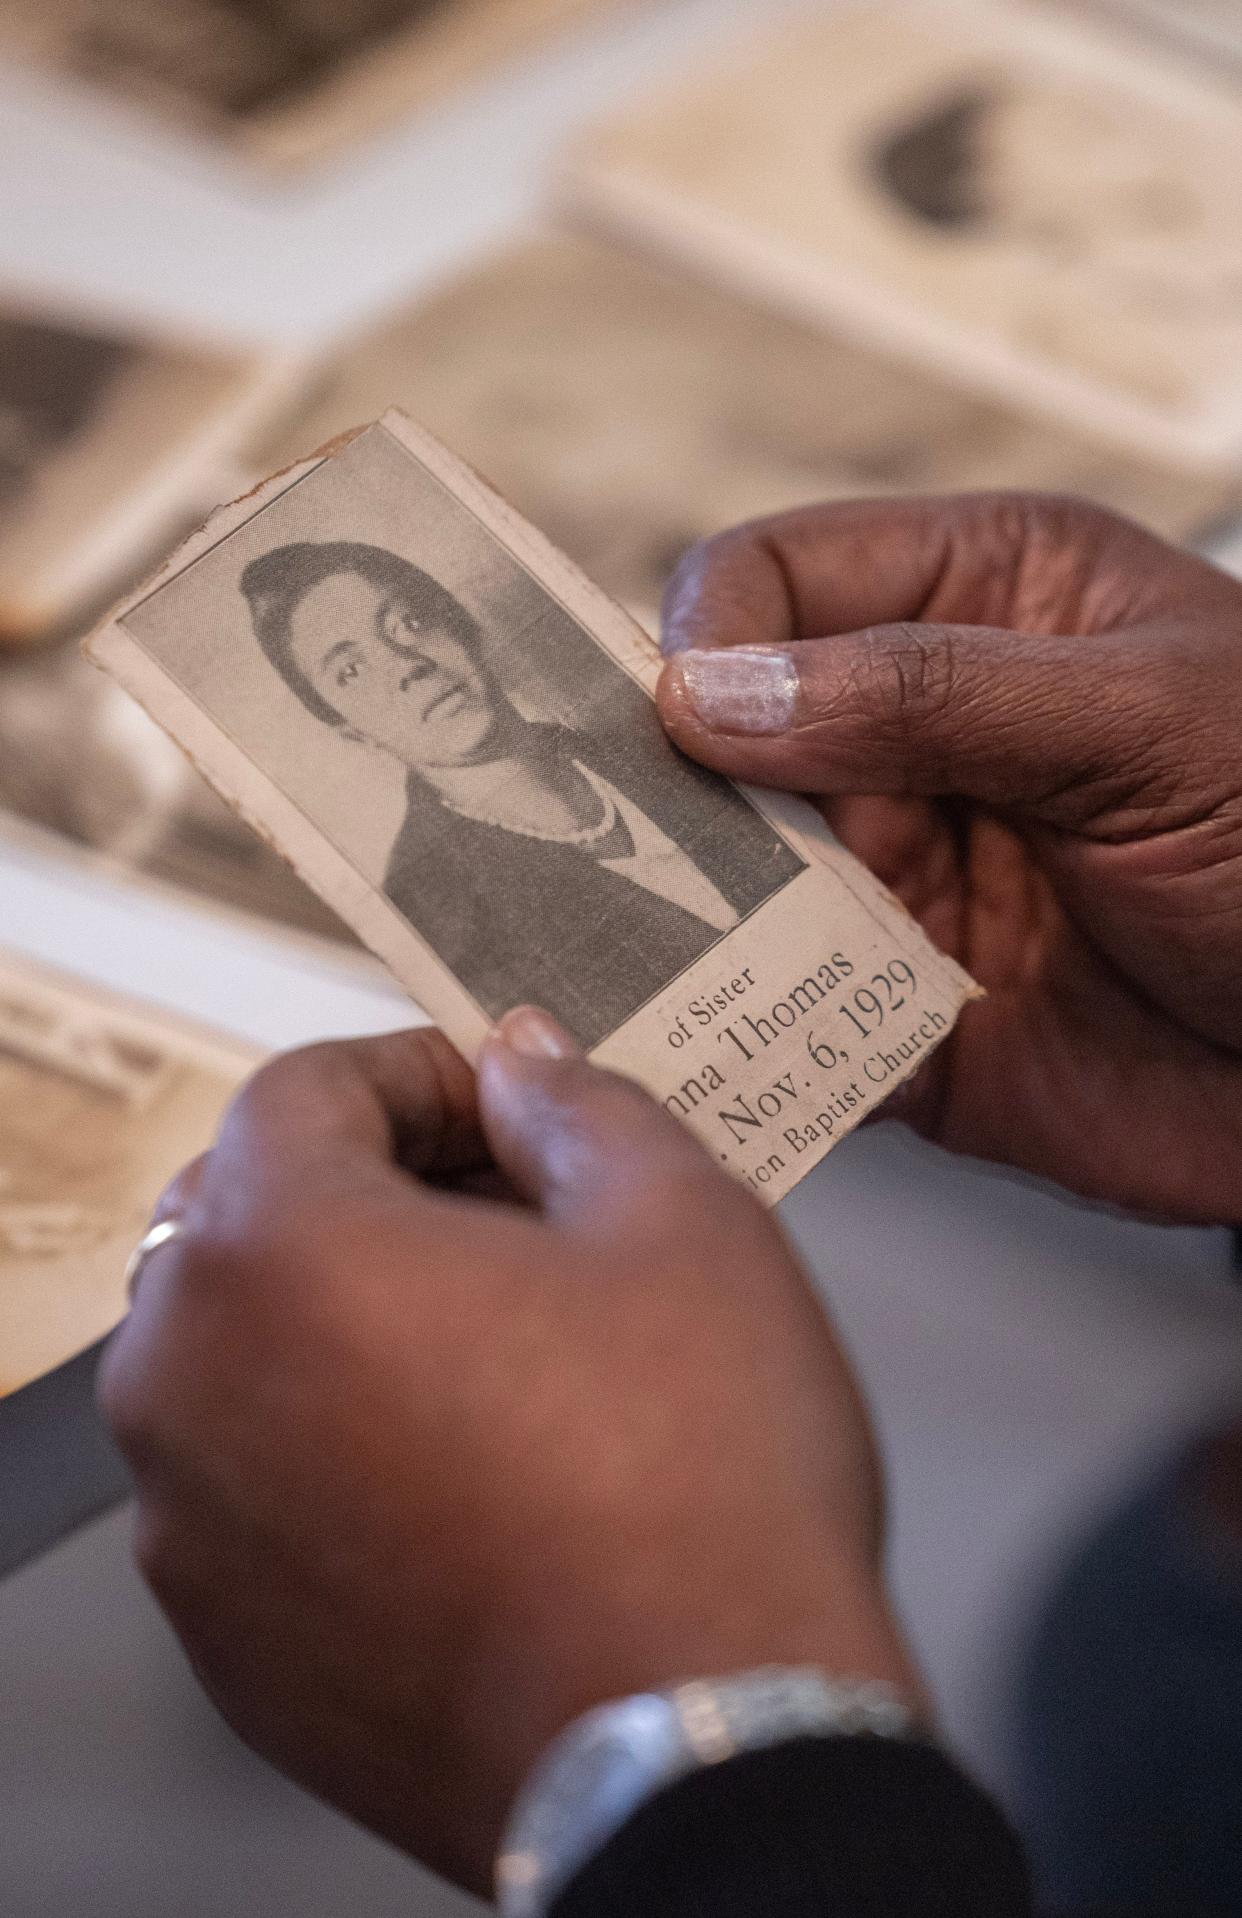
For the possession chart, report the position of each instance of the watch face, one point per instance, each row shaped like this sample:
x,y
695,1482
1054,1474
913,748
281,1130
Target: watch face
x,y
588,1783
607,1764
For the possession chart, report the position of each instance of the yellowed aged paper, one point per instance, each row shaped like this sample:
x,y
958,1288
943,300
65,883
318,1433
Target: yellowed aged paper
x,y
447,730
101,1102
1044,211
629,410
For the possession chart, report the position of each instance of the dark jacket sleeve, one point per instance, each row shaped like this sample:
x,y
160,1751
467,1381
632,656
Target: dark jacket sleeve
x,y
817,1828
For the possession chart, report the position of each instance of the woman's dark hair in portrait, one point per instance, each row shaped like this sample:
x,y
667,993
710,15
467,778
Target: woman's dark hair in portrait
x,y
934,166
276,583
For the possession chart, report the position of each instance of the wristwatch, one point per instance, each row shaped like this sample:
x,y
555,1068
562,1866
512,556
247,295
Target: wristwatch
x,y
606,1764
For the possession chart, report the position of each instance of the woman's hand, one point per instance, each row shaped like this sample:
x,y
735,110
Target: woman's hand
x,y
1027,716
423,1474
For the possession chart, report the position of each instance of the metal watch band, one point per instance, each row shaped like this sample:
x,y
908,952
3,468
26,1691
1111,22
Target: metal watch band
x,y
604,1766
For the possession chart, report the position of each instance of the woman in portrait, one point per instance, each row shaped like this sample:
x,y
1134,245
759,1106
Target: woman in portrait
x,y
581,870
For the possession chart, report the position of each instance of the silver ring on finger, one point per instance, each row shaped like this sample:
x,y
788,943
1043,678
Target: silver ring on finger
x,y
159,1236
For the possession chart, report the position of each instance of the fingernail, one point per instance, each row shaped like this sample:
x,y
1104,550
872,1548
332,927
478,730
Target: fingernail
x,y
741,689
536,1035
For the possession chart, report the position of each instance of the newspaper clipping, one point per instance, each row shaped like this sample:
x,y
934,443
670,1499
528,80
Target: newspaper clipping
x,y
448,731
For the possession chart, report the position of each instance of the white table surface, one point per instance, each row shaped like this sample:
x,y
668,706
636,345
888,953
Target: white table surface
x,y
1025,1357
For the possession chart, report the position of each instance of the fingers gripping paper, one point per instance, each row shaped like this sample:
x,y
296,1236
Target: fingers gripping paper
x,y
448,732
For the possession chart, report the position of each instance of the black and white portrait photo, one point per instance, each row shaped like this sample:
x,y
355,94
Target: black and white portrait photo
x,y
457,732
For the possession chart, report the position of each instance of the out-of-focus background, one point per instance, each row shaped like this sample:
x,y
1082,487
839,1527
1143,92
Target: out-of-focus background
x,y
653,266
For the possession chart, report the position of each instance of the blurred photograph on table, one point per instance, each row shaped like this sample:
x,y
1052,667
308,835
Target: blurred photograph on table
x,y
285,78
111,446
80,759
101,1101
628,410
1038,210
109,443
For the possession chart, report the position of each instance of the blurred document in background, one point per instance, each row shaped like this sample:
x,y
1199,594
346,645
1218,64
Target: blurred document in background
x,y
1042,211
288,77
101,1101
628,410
109,445
81,760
